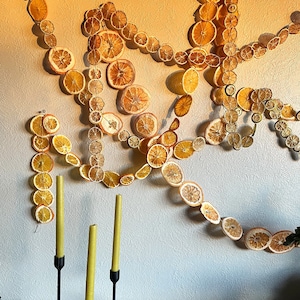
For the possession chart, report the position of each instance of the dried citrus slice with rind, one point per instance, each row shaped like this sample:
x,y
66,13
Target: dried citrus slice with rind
x,y
203,33
210,213
191,193
96,173
38,10
257,238
107,10
73,159
277,242
129,31
157,155
42,181
51,123
61,60
172,173
215,132
61,144
168,138
232,228
183,105
118,19
110,123
127,179
183,149
42,162
84,171
43,197
43,214
145,125
198,143
92,26
111,179
143,172
244,99
36,126
74,82
40,144
46,26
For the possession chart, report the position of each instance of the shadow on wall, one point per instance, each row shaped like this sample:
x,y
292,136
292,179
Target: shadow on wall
x,y
290,289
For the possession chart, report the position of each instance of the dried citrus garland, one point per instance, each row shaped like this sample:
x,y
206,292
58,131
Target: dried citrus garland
x,y
215,23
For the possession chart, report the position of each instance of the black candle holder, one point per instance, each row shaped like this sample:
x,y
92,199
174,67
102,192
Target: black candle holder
x,y
59,263
114,277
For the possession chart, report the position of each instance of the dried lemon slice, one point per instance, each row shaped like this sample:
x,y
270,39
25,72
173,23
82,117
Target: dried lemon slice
x,y
157,156
36,126
215,132
61,144
111,179
210,213
43,197
143,172
61,60
258,238
40,144
42,181
42,162
92,26
172,173
73,159
191,193
232,228
84,171
127,179
198,143
277,242
43,214
133,141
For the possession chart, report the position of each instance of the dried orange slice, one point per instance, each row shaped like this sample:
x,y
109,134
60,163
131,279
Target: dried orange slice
x,y
94,57
229,77
91,26
168,138
208,11
73,159
61,144
120,74
140,39
244,99
50,40
42,181
38,10
203,33
183,105
197,58
46,26
96,12
258,238
191,193
43,197
175,124
210,213
40,144
153,44
110,123
123,135
145,125
96,173
212,60
96,103
129,31
288,112
165,53
157,156
198,143
36,126
61,60
118,19
134,99
259,50
74,82
294,28
43,214
112,45
247,52
215,132
94,73
183,149
283,34
50,123
42,162
84,171
172,173
277,242
94,42
232,228
273,43
181,58
143,172
127,179
231,21
111,179
107,9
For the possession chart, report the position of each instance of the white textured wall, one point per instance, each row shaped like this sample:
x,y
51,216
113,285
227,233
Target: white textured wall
x,y
168,251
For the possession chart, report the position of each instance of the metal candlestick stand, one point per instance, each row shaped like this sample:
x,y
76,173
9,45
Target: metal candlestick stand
x,y
59,263
114,277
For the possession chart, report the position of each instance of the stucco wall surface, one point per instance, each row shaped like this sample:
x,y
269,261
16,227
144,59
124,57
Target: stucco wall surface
x,y
168,250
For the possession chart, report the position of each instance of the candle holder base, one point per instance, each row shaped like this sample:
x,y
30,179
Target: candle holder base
x,y
114,277
59,263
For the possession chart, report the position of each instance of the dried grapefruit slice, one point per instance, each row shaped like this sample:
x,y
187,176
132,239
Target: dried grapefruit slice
x,y
258,238
191,193
172,173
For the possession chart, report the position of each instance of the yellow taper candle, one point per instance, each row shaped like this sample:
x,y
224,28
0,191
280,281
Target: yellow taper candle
x,y
91,263
59,216
117,235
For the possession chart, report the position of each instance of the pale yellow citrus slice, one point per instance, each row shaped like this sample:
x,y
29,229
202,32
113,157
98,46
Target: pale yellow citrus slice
x,y
96,103
38,10
61,144
277,242
127,179
110,123
95,86
96,173
43,214
198,143
120,74
111,179
73,159
134,99
46,26
210,213
258,238
84,171
61,60
36,126
232,228
145,125
50,40
143,172
123,135
95,146
243,98
157,155
51,123
183,149
43,197
42,181
112,45
40,144
172,173
118,19
168,138
42,162
203,33
95,116
133,141
183,105
191,193
215,132
74,82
